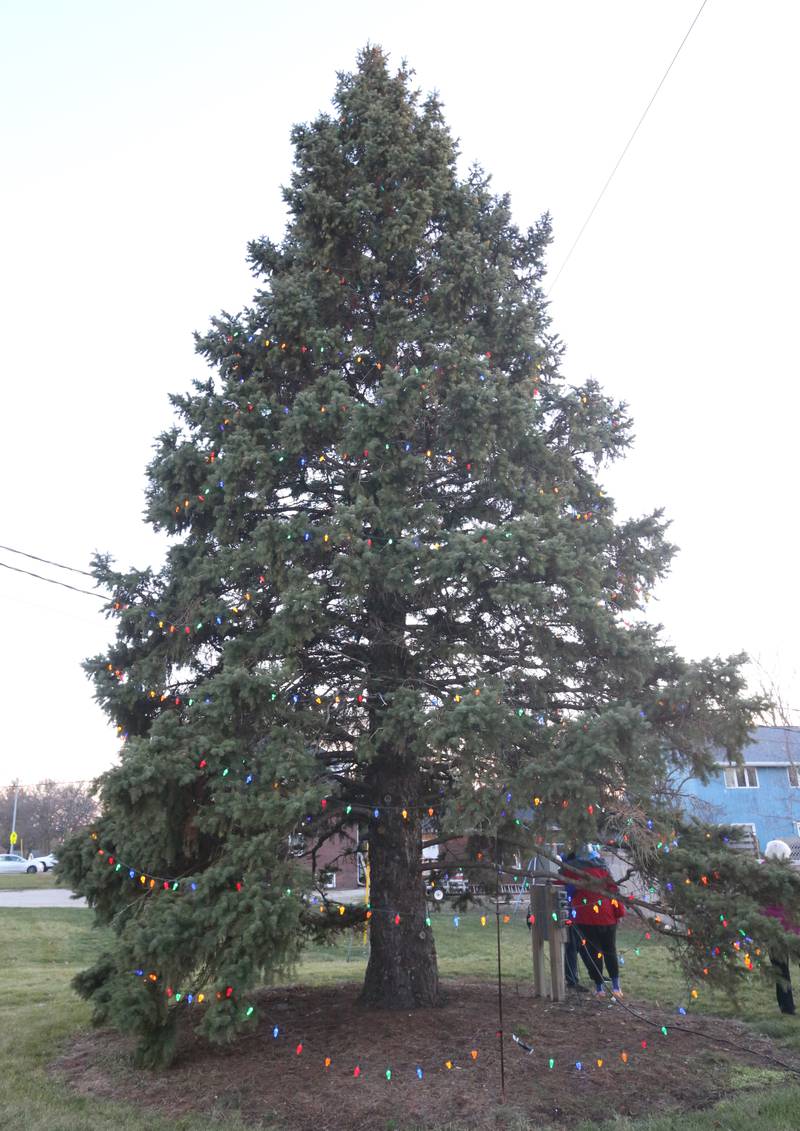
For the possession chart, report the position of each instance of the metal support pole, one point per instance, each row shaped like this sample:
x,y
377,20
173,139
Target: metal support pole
x,y
13,837
499,979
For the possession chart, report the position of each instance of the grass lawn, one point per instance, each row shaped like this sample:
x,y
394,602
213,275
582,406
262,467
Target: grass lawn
x,y
21,881
40,950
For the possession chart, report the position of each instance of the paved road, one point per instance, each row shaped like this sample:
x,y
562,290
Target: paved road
x,y
50,897
56,897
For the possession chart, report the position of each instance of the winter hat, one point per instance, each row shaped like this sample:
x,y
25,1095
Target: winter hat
x,y
777,850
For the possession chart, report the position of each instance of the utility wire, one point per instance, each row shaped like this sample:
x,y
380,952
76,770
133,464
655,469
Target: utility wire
x,y
52,581
46,561
625,150
39,607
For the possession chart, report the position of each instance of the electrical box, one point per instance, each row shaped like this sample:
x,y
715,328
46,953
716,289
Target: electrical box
x,y
563,907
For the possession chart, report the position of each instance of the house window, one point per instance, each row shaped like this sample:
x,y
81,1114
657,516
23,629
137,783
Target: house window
x,y
741,777
797,827
794,777
749,841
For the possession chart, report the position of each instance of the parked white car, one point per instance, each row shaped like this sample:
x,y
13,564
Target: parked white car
x,y
49,861
11,862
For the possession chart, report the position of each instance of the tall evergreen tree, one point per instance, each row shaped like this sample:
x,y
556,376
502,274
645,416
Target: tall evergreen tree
x,y
395,588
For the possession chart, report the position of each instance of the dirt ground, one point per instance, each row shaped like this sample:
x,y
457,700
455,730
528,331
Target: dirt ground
x,y
628,1066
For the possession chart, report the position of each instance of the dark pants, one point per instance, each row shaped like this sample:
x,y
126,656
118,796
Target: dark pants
x,y
599,945
571,956
783,982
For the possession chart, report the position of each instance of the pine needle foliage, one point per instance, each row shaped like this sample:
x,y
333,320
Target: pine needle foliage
x,y
395,594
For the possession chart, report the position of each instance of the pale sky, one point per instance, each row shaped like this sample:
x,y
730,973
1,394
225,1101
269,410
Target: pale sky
x,y
144,145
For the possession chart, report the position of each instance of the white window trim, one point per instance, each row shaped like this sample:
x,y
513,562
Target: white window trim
x,y
733,769
758,765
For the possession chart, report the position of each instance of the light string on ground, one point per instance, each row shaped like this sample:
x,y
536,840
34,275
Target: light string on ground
x,y
199,997
676,1025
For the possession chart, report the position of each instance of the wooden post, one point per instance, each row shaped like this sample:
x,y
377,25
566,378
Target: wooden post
x,y
558,985
544,928
538,927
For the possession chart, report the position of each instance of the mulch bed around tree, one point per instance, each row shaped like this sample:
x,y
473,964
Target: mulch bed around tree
x,y
272,1082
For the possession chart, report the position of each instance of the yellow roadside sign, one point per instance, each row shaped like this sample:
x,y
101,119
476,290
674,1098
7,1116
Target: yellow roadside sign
x,y
13,838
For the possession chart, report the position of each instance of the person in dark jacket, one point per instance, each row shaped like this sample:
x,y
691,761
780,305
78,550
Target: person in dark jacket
x,y
595,915
778,850
571,944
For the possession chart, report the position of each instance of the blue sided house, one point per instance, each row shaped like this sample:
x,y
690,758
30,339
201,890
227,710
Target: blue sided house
x,y
763,794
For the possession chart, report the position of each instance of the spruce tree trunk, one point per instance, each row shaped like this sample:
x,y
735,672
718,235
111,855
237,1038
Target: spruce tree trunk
x,y
402,971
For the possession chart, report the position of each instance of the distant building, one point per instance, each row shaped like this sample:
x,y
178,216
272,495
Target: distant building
x,y
762,795
338,861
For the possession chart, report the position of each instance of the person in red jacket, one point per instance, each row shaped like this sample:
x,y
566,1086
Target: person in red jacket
x,y
595,913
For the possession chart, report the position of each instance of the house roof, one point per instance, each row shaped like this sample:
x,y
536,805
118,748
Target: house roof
x,y
769,746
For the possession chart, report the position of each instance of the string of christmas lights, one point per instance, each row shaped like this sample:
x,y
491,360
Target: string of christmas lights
x,y
170,623
366,456
329,700
357,358
575,513
196,997
200,997
593,1061
151,883
266,410
339,358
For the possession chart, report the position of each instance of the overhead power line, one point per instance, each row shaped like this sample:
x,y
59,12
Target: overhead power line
x,y
52,581
625,150
46,561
